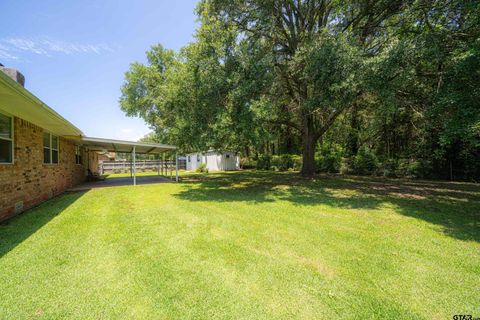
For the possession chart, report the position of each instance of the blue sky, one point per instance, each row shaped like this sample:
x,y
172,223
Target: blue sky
x,y
74,53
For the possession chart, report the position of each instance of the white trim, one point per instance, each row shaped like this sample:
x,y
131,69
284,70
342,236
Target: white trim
x,y
129,143
12,139
52,114
79,149
51,135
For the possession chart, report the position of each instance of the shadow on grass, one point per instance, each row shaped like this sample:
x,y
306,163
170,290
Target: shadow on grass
x,y
455,207
15,230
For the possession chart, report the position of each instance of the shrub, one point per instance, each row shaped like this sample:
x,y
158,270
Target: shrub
x,y
202,168
117,170
282,162
248,163
346,165
413,168
389,168
264,162
365,162
329,159
297,162
329,163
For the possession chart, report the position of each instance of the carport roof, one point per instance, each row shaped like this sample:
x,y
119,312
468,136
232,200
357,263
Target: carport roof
x,y
110,145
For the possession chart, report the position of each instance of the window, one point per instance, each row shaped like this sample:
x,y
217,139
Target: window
x,y
227,156
198,158
189,159
6,139
78,155
50,148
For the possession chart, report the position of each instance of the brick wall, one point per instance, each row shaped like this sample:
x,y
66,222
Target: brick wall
x,y
28,181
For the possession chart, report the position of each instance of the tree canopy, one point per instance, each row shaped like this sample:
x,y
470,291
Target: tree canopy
x,y
393,81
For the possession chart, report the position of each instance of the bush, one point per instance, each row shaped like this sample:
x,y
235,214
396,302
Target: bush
x,y
264,162
202,168
297,162
329,159
346,165
412,168
282,162
365,162
117,170
330,163
389,168
248,163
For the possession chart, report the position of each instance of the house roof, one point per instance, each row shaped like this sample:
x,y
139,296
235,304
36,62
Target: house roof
x,y
19,102
211,151
100,144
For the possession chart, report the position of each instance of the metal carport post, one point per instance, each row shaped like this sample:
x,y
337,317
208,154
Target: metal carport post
x,y
134,167
176,166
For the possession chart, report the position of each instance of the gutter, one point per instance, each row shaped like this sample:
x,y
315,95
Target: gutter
x,y
28,95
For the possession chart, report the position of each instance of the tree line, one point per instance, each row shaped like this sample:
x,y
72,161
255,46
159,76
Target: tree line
x,y
359,86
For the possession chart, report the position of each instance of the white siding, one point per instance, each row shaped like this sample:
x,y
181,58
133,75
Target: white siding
x,y
192,161
215,161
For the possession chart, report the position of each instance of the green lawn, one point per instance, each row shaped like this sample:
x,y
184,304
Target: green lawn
x,y
247,246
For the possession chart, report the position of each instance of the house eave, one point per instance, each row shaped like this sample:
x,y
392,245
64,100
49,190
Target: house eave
x,y
21,103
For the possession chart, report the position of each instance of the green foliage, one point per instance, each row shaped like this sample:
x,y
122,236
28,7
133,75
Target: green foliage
x,y
247,163
365,162
283,162
329,159
264,162
414,168
389,168
202,168
297,162
399,78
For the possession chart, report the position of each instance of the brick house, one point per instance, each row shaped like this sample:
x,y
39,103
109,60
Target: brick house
x,y
41,153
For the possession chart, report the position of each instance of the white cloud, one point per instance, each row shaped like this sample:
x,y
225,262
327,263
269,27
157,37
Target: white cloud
x,y
10,48
24,45
5,54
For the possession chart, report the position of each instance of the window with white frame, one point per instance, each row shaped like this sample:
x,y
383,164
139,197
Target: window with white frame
x,y
78,155
50,148
6,139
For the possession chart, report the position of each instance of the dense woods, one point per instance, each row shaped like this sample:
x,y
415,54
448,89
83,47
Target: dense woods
x,y
363,87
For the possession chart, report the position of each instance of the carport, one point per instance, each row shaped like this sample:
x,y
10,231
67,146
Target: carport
x,y
134,148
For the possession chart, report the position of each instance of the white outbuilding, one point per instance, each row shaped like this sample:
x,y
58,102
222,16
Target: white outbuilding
x,y
214,160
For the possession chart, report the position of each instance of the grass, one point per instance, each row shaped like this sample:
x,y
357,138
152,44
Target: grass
x,y
247,245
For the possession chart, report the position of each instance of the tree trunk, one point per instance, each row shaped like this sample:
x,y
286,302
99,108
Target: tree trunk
x,y
308,155
352,138
247,151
